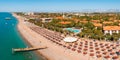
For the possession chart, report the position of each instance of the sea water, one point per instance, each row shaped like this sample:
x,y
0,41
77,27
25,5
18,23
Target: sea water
x,y
10,38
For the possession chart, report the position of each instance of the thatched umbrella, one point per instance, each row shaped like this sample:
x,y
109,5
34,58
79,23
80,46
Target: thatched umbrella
x,y
84,53
112,53
78,51
108,47
98,52
75,43
79,47
85,49
105,53
101,43
115,57
106,44
99,55
96,48
91,47
91,54
110,50
74,46
86,46
101,46
73,49
103,49
64,46
81,42
91,50
91,44
107,56
69,47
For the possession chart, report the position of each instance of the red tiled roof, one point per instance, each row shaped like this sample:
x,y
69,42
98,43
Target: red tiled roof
x,y
84,21
95,21
116,20
107,22
59,17
64,22
97,24
111,28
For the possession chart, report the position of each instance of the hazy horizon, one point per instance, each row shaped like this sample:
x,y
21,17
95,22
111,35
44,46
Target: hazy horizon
x,y
58,5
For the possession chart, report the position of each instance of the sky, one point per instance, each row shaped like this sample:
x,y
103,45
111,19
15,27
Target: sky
x,y
57,5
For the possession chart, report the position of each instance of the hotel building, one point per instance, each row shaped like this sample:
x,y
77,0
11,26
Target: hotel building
x,y
111,29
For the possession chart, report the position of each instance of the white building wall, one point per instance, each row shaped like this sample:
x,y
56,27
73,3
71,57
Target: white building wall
x,y
105,31
117,31
110,32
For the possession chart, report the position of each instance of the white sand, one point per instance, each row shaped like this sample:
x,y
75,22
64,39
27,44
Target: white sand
x,y
54,51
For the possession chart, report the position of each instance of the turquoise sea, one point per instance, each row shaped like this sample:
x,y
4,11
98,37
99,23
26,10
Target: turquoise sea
x,y
10,38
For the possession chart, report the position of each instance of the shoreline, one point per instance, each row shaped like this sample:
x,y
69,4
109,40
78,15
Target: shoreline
x,y
29,44
54,51
36,52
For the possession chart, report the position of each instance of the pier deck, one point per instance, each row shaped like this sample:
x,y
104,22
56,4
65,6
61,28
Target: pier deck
x,y
28,49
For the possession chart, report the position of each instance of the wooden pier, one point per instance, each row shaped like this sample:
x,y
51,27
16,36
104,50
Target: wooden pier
x,y
27,49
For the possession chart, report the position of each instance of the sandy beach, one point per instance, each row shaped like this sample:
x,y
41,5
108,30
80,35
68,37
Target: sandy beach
x,y
53,52
83,49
